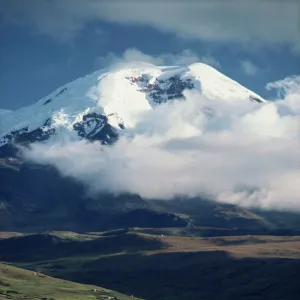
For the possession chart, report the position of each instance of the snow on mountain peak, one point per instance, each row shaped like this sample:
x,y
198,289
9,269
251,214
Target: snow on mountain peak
x,y
216,85
98,105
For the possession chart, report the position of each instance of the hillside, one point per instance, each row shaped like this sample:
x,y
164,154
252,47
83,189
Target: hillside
x,y
20,284
37,198
252,267
100,105
105,106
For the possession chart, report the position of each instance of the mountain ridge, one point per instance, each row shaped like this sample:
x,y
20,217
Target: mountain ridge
x,y
94,108
101,105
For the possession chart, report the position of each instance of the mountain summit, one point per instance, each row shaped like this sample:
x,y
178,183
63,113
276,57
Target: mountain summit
x,y
100,105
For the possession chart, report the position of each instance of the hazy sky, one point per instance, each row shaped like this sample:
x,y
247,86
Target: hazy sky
x,y
45,44
175,149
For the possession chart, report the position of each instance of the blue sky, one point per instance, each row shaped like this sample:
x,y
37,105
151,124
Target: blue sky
x,y
45,44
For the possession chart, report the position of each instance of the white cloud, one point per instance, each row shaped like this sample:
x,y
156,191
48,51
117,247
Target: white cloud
x,y
130,55
133,54
247,21
210,60
247,154
186,57
286,86
249,68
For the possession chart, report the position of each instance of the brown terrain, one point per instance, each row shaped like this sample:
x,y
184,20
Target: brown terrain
x,y
165,265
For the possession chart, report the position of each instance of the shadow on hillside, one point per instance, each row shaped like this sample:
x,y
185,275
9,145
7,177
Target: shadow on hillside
x,y
194,276
46,246
169,275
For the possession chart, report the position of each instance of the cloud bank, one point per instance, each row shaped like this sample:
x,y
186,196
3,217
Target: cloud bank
x,y
242,152
186,57
249,68
248,21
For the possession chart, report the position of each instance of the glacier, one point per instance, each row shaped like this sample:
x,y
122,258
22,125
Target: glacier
x,y
100,105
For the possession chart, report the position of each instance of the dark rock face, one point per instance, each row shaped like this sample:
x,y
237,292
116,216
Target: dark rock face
x,y
96,127
23,136
255,99
59,93
92,127
162,90
47,101
174,90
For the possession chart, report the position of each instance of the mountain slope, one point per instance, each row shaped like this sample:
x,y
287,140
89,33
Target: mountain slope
x,y
16,283
37,198
99,105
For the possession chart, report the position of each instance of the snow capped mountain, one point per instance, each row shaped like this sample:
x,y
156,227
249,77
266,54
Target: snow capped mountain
x,y
100,105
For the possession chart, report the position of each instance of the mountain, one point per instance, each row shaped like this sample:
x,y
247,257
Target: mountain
x,y
185,248
101,105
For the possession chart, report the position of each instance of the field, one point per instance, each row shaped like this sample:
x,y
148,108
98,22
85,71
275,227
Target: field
x,y
163,264
19,284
